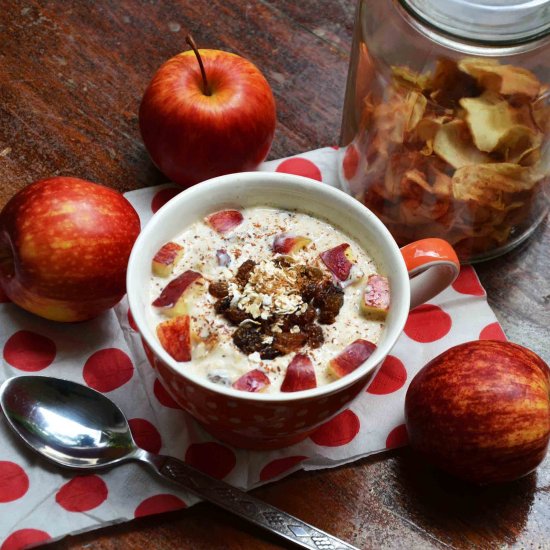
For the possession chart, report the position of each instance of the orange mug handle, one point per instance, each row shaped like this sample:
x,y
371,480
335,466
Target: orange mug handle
x,y
432,265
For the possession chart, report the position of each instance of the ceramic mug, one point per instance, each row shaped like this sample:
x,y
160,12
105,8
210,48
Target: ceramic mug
x,y
416,274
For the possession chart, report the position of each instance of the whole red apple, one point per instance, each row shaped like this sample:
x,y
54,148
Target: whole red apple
x,y
481,411
204,120
64,248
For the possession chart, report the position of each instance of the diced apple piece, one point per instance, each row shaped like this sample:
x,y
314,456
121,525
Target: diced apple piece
x,y
175,337
166,258
223,258
224,220
376,295
289,244
300,374
176,295
353,355
253,381
339,260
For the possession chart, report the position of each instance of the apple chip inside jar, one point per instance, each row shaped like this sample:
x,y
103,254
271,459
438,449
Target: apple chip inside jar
x,y
504,79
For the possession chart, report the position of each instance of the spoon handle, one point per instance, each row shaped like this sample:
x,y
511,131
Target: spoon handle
x,y
242,504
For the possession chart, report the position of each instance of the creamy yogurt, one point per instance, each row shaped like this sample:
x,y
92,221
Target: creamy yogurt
x,y
214,353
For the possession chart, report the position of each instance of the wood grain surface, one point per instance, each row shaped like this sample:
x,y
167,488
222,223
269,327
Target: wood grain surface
x,y
71,77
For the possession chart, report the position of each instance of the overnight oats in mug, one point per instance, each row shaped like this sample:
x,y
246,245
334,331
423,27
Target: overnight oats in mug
x,y
263,299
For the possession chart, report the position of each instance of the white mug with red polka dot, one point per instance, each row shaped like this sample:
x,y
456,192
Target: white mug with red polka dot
x,y
416,273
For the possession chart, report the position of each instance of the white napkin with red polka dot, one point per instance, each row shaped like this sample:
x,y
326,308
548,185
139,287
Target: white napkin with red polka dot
x,y
39,502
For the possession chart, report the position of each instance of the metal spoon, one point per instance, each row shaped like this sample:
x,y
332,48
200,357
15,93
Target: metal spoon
x,y
77,427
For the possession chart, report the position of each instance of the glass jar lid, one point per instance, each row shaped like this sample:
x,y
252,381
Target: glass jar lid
x,y
486,21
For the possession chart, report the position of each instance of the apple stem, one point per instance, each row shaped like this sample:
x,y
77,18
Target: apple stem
x,y
205,88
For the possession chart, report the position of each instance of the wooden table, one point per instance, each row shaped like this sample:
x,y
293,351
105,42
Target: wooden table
x,y
71,77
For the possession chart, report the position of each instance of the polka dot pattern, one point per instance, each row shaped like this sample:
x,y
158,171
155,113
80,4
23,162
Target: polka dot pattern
x,y
108,369
159,504
300,167
468,283
113,360
163,196
398,437
163,397
350,162
339,431
211,458
24,538
82,493
390,378
145,435
279,466
493,331
427,323
14,482
29,351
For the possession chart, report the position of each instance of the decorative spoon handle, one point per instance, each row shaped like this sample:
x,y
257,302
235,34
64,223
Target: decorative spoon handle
x,y
240,503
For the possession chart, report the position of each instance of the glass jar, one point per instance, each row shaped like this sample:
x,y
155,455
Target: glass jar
x,y
446,123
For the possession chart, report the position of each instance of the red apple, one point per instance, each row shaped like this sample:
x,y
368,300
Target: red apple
x,y
376,295
197,124
64,248
338,260
224,220
300,374
352,357
289,244
252,381
175,337
481,411
175,296
166,259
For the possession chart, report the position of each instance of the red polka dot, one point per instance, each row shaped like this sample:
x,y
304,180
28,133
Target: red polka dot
x,y
493,332
107,369
391,377
3,298
279,466
163,396
339,431
82,493
145,435
351,162
14,482
300,167
148,353
131,321
158,505
427,323
29,351
211,458
24,538
468,283
163,196
398,437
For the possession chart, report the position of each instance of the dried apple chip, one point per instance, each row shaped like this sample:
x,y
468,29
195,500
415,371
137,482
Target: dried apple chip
x,y
486,182
503,79
453,143
407,77
494,123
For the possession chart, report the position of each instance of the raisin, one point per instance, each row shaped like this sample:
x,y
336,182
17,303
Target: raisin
x,y
329,300
248,339
219,289
243,273
269,352
235,315
300,319
308,291
315,336
289,341
221,305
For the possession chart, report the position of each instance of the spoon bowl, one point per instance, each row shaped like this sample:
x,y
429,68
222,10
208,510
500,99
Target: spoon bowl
x,y
77,427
